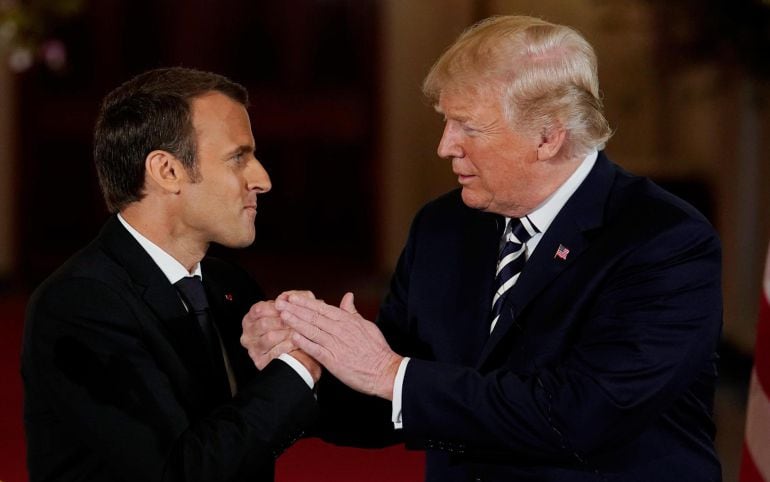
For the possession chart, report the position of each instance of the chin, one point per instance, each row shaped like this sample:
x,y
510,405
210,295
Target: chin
x,y
474,201
248,241
243,241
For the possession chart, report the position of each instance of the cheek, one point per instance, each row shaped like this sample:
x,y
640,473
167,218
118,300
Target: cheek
x,y
504,177
223,189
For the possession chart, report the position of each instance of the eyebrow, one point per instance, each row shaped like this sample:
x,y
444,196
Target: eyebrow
x,y
243,149
458,117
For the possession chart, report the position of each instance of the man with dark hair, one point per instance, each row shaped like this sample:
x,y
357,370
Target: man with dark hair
x,y
131,360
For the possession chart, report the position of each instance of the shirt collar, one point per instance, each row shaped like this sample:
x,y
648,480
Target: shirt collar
x,y
172,268
546,212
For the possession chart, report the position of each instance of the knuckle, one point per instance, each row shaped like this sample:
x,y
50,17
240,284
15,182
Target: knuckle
x,y
271,338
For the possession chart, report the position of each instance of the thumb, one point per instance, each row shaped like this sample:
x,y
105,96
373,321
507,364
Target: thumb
x,y
347,303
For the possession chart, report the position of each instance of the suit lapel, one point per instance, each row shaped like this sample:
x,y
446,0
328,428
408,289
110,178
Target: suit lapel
x,y
583,212
223,305
160,297
231,293
479,243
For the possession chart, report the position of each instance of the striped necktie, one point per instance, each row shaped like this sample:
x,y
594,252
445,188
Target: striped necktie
x,y
511,261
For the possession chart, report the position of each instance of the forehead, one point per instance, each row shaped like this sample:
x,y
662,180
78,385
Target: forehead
x,y
468,104
216,116
214,105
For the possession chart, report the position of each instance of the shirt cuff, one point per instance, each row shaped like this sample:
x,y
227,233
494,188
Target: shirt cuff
x,y
398,386
298,367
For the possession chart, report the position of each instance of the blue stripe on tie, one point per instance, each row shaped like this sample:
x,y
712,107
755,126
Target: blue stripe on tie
x,y
511,261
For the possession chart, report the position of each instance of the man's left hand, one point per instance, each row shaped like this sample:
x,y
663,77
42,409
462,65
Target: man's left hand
x,y
349,346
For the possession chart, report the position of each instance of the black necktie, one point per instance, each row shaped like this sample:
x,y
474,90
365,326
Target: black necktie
x,y
194,296
510,261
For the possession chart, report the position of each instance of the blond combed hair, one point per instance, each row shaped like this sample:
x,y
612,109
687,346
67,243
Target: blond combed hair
x,y
544,74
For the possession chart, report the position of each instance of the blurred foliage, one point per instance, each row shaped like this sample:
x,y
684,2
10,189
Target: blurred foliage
x,y
27,31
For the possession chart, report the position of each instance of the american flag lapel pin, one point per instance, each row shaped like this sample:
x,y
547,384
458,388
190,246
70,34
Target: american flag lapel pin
x,y
561,252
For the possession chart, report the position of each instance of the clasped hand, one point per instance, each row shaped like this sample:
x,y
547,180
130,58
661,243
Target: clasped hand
x,y
349,346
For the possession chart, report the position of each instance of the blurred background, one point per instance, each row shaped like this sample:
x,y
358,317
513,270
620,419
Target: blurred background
x,y
343,130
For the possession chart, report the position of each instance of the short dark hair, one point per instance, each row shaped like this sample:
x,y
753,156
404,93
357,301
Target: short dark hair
x,y
150,112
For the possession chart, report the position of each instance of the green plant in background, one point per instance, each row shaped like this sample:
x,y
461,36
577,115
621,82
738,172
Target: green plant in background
x,y
27,32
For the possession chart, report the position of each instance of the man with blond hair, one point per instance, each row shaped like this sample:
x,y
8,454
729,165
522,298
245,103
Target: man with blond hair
x,y
554,319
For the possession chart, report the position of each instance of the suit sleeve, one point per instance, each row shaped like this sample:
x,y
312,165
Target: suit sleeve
x,y
645,339
86,353
349,417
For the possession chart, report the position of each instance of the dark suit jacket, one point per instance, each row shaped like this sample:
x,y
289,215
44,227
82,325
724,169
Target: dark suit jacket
x,y
116,387
602,366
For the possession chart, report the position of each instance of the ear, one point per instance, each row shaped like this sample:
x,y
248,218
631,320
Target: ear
x,y
551,141
164,170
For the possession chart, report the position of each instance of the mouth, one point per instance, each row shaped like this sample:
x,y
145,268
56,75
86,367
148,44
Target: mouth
x,y
464,178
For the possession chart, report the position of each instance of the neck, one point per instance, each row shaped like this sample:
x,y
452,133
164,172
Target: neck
x,y
552,177
161,227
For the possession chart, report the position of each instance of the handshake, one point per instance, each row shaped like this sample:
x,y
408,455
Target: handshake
x,y
317,334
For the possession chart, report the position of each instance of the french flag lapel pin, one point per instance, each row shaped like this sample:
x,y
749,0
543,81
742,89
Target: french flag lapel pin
x,y
561,252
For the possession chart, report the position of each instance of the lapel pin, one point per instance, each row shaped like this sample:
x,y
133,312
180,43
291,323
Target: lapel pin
x,y
229,296
561,252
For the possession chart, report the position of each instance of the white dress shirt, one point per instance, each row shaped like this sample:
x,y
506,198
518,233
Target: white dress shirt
x,y
174,271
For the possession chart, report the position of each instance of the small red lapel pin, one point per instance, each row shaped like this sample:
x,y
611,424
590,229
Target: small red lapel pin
x,y
561,252
228,296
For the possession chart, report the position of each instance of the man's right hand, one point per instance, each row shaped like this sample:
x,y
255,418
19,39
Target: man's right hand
x,y
266,336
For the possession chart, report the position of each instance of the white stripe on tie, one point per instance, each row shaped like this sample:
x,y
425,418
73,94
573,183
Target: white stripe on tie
x,y
510,262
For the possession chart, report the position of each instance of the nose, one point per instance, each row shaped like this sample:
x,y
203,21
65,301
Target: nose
x,y
257,178
448,146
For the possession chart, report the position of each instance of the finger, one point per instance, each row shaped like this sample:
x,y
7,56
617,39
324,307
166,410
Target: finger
x,y
321,354
308,329
347,303
338,326
272,338
269,323
264,323
255,336
267,305
261,326
304,293
262,358
263,308
246,342
262,362
315,318
285,346
306,314
331,312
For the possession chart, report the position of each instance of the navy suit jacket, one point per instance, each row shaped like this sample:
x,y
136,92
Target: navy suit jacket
x,y
116,387
602,365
